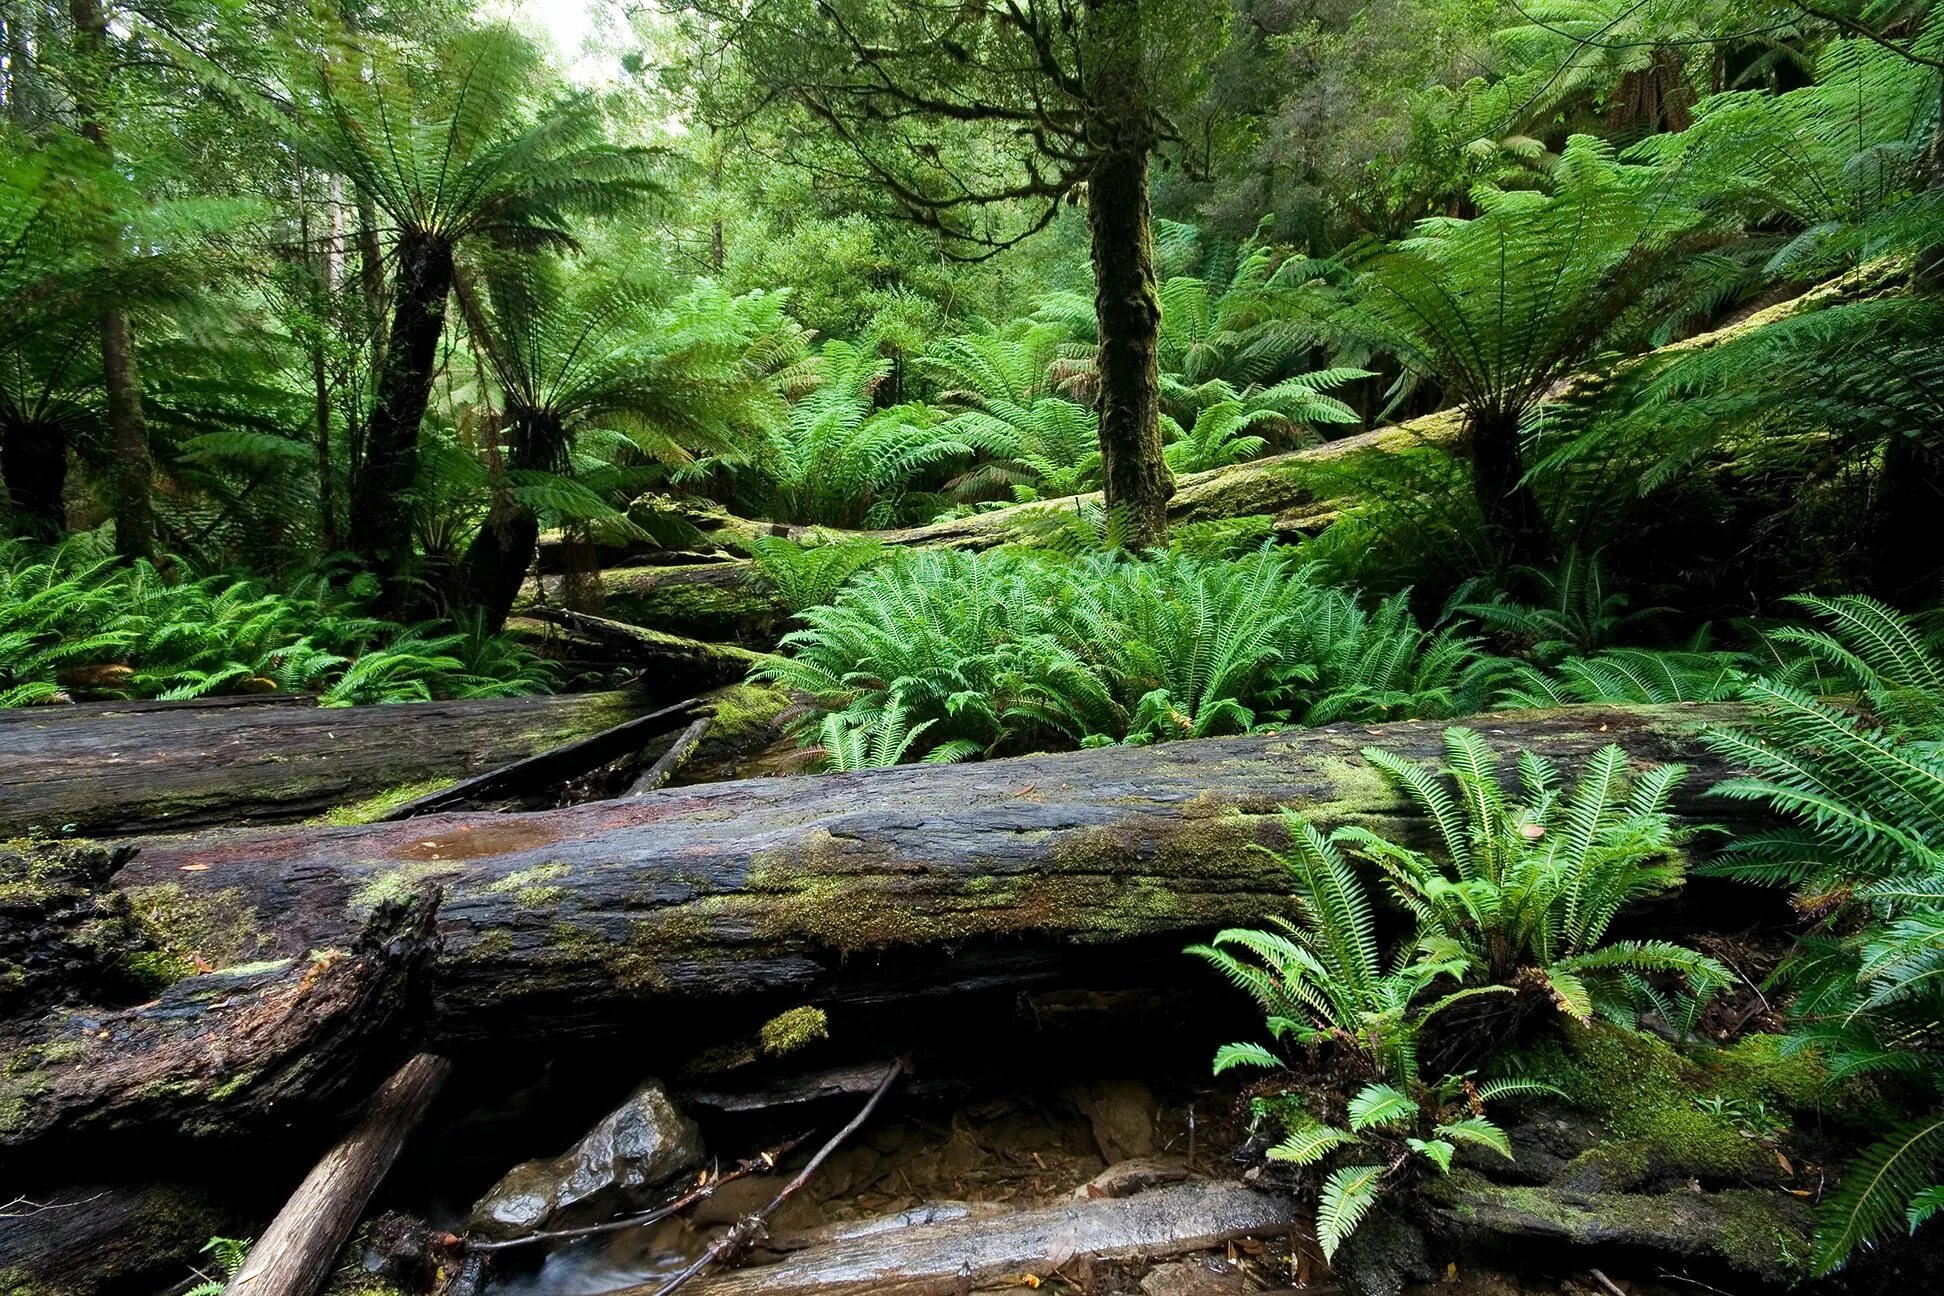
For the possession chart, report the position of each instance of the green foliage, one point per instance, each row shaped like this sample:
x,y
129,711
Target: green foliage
x,y
69,623
1527,890
229,1255
810,574
1862,803
1013,651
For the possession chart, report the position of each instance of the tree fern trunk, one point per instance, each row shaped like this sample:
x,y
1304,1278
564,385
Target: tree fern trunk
x,y
33,461
381,517
1515,527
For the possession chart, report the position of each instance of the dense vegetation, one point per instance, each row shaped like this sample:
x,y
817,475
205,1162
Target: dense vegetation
x,y
331,334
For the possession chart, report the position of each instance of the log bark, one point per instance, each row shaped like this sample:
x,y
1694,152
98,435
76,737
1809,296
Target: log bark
x,y
84,1239
241,1051
111,768
679,663
945,1257
295,1254
669,762
740,896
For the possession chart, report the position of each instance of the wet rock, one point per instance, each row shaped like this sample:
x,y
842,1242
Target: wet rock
x,y
1201,1276
616,1168
1123,1114
1125,1178
1387,1251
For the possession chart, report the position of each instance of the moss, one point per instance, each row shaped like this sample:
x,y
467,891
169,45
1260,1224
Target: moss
x,y
742,711
153,971
1757,1232
396,885
796,1029
528,886
219,926
374,808
1644,1093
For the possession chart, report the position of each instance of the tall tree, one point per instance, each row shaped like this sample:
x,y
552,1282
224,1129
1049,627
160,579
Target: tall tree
x,y
133,476
980,121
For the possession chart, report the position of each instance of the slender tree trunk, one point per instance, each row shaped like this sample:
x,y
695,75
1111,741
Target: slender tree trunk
x,y
322,264
133,478
381,516
33,461
1134,474
1515,527
498,558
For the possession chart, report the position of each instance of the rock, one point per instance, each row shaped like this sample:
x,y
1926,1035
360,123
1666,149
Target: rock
x,y
636,1148
1201,1276
1387,1251
1125,1178
1122,1113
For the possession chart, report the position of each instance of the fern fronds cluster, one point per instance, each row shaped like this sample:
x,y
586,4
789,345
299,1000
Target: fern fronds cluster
x,y
73,625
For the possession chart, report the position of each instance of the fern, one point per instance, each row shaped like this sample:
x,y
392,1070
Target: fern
x,y
1347,1196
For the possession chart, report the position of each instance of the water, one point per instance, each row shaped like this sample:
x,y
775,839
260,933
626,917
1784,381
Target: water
x,y
603,1263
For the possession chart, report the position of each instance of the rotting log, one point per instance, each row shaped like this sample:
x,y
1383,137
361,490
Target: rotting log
x,y
722,600
89,1238
947,1256
845,886
531,774
245,1049
679,663
295,1254
107,769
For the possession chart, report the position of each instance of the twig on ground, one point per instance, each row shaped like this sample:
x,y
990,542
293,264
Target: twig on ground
x,y
746,1228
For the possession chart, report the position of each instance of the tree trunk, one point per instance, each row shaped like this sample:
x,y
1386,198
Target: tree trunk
x,y
1128,309
497,560
1515,528
132,479
381,514
1910,500
749,896
33,460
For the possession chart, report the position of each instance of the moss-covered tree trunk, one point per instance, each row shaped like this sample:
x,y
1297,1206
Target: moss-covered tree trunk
x,y
498,558
732,896
381,514
1127,303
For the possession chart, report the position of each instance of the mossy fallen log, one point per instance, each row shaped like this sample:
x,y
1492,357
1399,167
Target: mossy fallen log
x,y
724,600
736,896
110,768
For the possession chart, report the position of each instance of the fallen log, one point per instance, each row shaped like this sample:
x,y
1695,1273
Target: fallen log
x,y
295,1255
725,600
549,768
855,886
90,1238
242,1050
113,768
679,663
948,1256
671,761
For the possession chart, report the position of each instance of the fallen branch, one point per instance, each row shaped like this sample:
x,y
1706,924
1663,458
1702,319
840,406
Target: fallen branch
x,y
746,1229
673,759
295,1254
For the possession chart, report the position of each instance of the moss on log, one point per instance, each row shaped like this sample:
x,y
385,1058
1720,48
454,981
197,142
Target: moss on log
x,y
846,885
